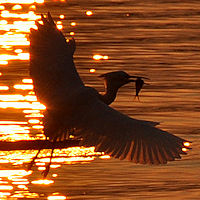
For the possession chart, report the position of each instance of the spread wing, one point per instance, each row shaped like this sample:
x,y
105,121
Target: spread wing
x,y
123,137
51,64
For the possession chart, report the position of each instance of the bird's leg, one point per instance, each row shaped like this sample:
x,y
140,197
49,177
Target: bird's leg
x,y
46,171
30,165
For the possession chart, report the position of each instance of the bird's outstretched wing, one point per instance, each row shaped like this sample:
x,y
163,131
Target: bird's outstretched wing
x,y
123,137
51,63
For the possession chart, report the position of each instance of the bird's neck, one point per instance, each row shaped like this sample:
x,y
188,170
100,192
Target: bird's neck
x,y
109,96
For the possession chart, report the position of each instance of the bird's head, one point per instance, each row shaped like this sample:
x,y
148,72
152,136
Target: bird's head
x,y
117,79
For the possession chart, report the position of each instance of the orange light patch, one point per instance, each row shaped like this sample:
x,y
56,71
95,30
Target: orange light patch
x,y
58,22
5,194
23,87
105,157
22,187
32,7
38,127
186,144
4,87
36,114
54,175
89,13
97,57
184,149
39,1
100,57
33,121
31,111
41,168
56,197
42,182
72,33
23,56
18,50
105,57
2,7
3,62
62,16
22,1
92,70
6,187
59,26
17,7
73,23
27,80
54,166
3,22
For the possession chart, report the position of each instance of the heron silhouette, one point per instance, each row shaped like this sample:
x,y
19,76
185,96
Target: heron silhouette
x,y
72,105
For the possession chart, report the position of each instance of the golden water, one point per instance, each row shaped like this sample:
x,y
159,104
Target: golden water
x,y
158,39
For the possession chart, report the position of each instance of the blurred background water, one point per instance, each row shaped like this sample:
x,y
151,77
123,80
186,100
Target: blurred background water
x,y
159,39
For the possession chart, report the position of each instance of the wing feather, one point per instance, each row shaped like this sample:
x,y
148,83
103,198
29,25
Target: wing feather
x,y
51,64
148,153
128,138
134,151
131,149
126,150
121,146
142,157
155,155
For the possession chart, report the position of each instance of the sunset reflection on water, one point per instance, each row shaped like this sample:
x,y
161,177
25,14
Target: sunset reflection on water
x,y
17,181
21,112
157,39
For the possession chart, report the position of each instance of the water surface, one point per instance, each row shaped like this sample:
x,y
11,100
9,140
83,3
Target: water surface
x,y
158,39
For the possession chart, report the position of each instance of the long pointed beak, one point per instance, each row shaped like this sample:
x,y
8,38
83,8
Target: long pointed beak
x,y
131,80
138,77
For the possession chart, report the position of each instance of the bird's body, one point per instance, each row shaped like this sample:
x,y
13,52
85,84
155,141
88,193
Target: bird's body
x,y
70,104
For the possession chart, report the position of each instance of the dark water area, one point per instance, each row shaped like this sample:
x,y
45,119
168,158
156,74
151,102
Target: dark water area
x,y
157,39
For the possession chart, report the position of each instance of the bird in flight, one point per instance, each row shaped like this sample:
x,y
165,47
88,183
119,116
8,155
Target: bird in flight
x,y
72,105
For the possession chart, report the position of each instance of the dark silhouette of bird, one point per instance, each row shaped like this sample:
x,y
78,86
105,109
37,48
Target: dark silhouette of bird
x,y
72,105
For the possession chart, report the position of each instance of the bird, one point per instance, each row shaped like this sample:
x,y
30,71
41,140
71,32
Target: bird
x,y
72,105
